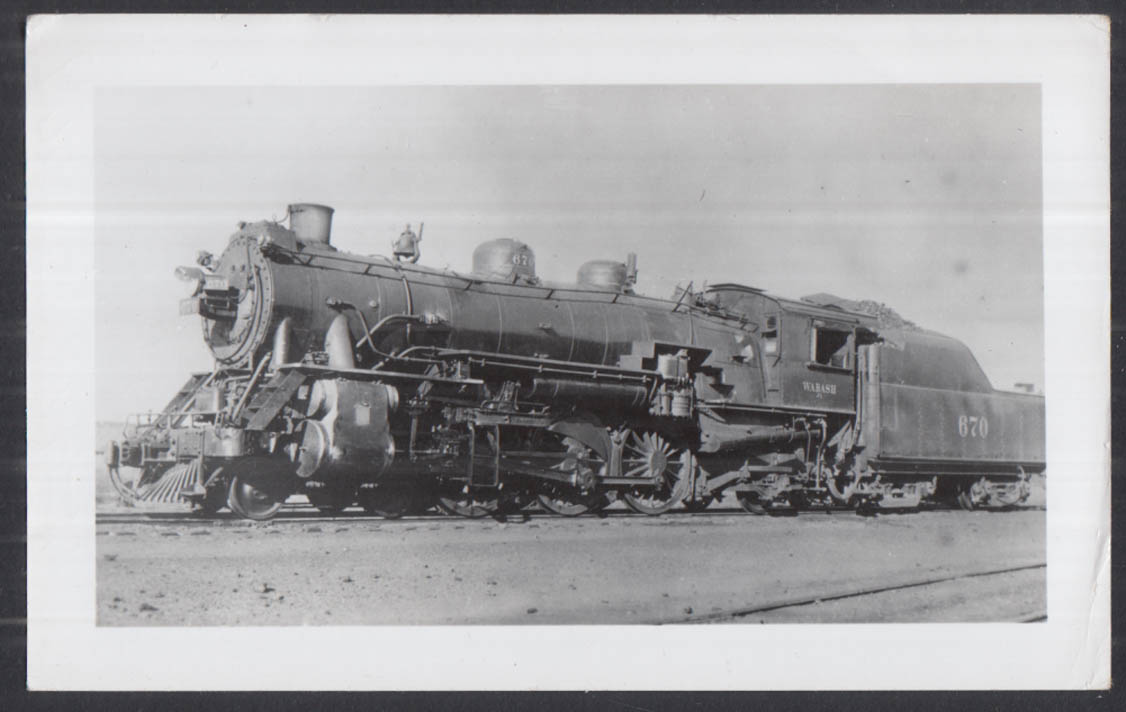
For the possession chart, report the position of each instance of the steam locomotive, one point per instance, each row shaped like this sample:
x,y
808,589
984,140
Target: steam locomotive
x,y
373,380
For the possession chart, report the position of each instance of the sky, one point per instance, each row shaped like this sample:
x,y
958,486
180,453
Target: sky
x,y
924,197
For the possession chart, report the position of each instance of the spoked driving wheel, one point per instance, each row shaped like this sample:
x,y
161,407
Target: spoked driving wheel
x,y
698,504
254,497
471,504
750,503
570,502
573,500
649,455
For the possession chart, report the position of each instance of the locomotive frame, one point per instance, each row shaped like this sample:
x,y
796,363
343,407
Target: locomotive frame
x,y
364,379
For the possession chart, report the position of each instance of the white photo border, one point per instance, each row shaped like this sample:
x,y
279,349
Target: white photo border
x,y
70,57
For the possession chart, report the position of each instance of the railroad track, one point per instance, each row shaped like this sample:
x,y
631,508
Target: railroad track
x,y
782,606
304,513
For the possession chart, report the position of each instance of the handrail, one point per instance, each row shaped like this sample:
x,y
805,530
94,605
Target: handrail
x,y
250,386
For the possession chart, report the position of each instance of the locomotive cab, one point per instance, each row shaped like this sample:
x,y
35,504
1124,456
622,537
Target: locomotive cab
x,y
814,361
808,351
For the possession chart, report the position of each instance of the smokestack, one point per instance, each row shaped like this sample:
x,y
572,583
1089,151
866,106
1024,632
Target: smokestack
x,y
311,222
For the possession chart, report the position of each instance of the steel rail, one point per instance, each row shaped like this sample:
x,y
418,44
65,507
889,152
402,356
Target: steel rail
x,y
297,512
735,613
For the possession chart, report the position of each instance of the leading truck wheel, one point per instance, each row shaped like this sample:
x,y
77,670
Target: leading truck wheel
x,y
651,456
249,498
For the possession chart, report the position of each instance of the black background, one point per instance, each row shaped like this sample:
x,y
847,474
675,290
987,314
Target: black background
x,y
13,555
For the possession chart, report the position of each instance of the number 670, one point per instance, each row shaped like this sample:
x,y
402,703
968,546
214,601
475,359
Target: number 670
x,y
973,426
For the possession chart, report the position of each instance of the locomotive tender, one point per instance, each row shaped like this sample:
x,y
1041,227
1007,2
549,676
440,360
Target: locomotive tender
x,y
351,378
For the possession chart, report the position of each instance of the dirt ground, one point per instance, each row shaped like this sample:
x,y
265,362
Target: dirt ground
x,y
157,566
309,569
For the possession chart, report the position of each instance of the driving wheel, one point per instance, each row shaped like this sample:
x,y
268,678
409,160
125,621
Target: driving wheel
x,y
649,455
570,500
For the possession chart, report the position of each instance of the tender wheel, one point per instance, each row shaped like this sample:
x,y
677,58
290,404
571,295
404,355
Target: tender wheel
x,y
650,455
331,500
1011,494
388,501
250,497
972,496
560,498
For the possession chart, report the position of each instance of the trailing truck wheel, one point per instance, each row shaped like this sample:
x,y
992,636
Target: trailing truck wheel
x,y
248,497
650,455
389,502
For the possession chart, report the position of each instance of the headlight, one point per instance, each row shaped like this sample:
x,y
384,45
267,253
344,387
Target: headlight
x,y
191,274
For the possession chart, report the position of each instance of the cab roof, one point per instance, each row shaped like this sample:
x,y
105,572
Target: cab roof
x,y
835,308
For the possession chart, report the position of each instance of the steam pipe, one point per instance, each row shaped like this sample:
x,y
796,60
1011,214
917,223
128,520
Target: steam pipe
x,y
368,333
844,495
282,338
338,343
765,436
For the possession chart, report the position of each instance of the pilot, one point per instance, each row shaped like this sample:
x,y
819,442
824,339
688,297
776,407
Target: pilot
x,y
406,247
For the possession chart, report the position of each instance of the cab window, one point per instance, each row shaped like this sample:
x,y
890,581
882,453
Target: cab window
x,y
770,336
831,347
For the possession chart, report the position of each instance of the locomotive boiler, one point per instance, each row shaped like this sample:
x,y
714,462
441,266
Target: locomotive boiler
x,y
370,380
